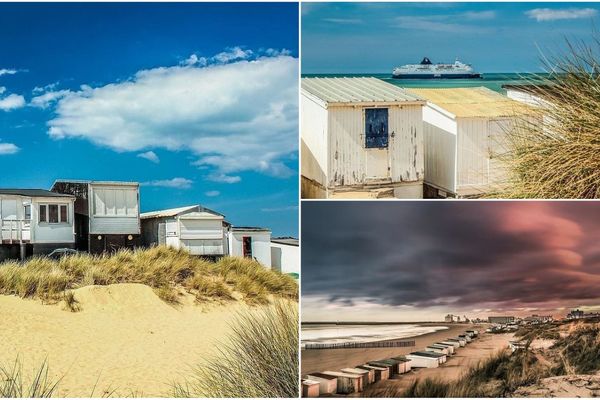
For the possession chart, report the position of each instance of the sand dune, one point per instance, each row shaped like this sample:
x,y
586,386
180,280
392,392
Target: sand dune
x,y
124,337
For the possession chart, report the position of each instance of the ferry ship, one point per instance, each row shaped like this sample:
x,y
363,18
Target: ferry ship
x,y
427,70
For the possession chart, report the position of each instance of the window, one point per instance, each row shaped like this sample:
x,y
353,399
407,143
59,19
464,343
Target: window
x,y
27,212
376,127
64,215
53,213
247,246
43,214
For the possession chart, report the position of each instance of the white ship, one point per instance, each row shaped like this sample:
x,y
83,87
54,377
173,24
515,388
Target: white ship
x,y
427,70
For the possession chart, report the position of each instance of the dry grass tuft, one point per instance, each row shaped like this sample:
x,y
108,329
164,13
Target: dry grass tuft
x,y
13,383
553,153
162,268
259,360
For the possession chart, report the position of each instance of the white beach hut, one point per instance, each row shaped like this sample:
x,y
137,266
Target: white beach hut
x,y
437,349
448,347
464,134
197,229
327,383
35,222
381,373
423,360
285,255
360,134
251,242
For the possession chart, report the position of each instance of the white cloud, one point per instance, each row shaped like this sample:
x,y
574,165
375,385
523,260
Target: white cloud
x,y
239,116
4,71
150,156
46,99
175,183
48,88
12,102
479,15
212,193
8,148
232,54
277,52
195,60
344,21
2,89
549,14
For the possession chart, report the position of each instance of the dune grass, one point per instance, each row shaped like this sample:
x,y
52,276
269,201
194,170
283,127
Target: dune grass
x,y
579,352
165,269
553,153
14,383
259,358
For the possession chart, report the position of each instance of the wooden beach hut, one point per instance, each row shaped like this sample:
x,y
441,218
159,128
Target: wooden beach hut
x,y
404,364
464,135
466,337
448,347
423,360
327,383
453,345
310,388
35,222
438,349
347,383
360,135
461,341
388,366
380,373
368,376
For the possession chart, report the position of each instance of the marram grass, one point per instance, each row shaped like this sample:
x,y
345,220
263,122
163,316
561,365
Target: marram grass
x,y
165,269
554,152
259,358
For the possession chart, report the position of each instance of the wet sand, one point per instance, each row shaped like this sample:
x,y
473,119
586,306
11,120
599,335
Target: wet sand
x,y
335,359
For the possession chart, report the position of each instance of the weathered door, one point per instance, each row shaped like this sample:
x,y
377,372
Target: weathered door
x,y
376,143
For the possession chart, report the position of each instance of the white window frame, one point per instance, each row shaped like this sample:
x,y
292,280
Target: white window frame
x,y
47,221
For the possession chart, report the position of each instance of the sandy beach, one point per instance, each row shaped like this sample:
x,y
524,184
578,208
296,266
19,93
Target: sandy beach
x,y
125,338
334,359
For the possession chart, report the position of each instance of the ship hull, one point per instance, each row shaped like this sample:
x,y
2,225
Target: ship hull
x,y
437,76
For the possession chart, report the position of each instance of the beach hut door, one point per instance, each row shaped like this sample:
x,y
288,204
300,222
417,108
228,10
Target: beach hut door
x,y
376,143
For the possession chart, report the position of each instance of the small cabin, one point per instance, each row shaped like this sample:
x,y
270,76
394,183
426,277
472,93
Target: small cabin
x,y
285,255
35,222
465,135
197,229
250,242
107,214
360,136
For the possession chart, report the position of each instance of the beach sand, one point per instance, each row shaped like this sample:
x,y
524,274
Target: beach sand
x,y
335,359
482,348
125,338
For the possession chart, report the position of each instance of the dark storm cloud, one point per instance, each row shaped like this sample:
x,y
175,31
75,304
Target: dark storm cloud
x,y
459,253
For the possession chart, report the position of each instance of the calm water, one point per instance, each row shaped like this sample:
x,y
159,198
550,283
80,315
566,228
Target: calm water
x,y
329,333
491,81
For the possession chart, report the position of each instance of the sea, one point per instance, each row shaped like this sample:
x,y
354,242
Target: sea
x,y
493,81
334,333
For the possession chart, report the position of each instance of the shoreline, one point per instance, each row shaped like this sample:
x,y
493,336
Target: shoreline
x,y
335,359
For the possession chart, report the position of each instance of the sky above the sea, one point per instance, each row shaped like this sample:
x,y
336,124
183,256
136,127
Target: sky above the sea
x,y
198,102
418,261
493,37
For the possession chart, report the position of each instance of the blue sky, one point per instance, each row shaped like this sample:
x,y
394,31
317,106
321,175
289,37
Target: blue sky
x,y
198,102
494,37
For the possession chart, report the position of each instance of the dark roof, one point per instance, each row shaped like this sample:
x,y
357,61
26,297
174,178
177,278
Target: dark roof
x,y
286,240
250,229
33,193
427,354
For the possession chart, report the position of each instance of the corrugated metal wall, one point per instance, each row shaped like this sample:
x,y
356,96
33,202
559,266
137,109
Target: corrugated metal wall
x,y
347,157
472,165
114,210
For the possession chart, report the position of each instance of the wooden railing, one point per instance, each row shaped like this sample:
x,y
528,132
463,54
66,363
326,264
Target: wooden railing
x,y
15,230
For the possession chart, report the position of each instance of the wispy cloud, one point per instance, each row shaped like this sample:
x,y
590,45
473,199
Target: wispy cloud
x,y
8,148
11,102
279,209
5,71
231,125
175,183
446,22
150,156
212,193
344,21
47,99
549,14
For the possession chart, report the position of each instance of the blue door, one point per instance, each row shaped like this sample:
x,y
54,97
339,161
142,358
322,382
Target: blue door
x,y
376,128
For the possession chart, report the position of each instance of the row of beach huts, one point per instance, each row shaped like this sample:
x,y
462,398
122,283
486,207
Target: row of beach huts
x,y
104,216
354,380
370,137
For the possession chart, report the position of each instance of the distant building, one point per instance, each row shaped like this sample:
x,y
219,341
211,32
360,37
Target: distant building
x,y
449,318
575,314
501,320
536,319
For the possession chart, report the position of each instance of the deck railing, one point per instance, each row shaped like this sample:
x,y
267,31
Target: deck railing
x,y
15,230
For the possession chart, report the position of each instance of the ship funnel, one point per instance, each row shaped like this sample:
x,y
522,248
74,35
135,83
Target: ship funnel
x,y
426,61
